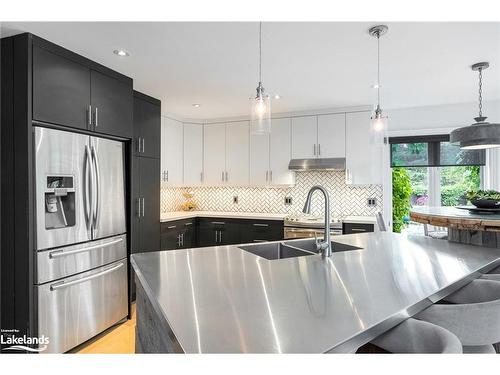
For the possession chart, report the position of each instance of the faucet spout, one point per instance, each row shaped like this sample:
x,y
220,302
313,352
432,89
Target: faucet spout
x,y
324,246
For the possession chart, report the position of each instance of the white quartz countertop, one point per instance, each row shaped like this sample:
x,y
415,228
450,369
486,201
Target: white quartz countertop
x,y
177,215
360,220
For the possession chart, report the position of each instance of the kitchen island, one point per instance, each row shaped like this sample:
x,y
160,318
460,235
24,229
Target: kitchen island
x,y
223,299
481,229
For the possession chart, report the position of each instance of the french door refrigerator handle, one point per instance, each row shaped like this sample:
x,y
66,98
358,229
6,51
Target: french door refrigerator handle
x,y
86,278
88,182
97,188
62,253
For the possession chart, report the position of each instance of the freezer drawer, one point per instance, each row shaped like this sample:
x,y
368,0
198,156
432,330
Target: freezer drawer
x,y
75,309
66,261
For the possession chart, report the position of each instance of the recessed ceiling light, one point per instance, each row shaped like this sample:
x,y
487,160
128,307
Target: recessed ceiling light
x,y
196,105
277,96
121,52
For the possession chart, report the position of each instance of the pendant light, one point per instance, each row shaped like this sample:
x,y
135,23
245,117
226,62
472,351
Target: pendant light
x,y
482,134
378,121
260,104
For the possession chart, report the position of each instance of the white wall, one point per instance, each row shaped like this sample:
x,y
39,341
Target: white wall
x,y
440,116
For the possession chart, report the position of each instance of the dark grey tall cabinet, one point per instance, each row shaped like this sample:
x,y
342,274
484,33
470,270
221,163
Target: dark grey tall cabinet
x,y
145,176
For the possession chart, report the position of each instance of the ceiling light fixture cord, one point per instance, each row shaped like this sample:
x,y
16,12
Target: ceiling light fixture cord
x,y
378,69
480,92
260,51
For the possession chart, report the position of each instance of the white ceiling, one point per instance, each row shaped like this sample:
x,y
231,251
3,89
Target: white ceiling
x,y
311,65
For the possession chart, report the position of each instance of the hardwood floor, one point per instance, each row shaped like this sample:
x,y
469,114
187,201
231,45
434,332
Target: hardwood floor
x,y
116,340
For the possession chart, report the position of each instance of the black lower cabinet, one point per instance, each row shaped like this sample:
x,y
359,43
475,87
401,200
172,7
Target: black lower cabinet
x,y
353,228
178,234
260,230
217,232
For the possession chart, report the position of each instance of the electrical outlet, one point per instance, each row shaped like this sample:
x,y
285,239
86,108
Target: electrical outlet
x,y
372,202
288,200
235,199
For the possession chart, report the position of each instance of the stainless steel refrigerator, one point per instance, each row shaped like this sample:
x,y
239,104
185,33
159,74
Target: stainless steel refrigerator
x,y
81,239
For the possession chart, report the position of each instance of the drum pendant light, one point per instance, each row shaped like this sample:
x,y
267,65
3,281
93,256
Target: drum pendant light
x,y
482,134
260,104
378,121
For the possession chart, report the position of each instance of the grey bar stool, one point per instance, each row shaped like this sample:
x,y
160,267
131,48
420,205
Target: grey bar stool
x,y
417,336
472,314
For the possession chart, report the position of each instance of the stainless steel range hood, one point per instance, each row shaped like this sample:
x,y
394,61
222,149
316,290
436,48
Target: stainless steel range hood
x,y
317,164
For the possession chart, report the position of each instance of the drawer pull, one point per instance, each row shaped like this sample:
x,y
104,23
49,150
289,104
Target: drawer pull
x,y
83,279
260,225
218,223
172,227
358,230
260,240
62,253
187,224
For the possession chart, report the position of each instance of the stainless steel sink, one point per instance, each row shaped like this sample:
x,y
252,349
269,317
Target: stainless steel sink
x,y
275,250
309,245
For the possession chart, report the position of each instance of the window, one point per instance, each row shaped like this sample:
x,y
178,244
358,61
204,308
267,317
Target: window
x,y
439,173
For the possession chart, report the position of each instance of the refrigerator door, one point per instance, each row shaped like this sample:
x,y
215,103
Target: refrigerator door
x,y
74,309
62,178
108,203
65,261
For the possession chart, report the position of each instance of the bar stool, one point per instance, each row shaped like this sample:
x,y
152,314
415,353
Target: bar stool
x,y
472,314
417,336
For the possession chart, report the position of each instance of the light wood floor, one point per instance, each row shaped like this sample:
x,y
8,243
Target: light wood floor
x,y
116,340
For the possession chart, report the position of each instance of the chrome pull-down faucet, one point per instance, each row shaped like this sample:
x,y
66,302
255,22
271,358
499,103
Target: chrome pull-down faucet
x,y
325,246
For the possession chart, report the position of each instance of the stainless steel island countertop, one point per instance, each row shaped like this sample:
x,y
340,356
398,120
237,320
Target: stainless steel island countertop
x,y
223,299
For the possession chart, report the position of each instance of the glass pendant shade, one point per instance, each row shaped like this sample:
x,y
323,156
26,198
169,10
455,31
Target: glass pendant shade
x,y
260,114
378,127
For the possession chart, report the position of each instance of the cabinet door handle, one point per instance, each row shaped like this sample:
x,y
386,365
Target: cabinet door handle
x,y
182,238
226,177
167,176
143,148
267,176
201,176
96,122
216,236
220,236
314,149
271,176
89,119
143,207
260,225
222,178
138,207
319,149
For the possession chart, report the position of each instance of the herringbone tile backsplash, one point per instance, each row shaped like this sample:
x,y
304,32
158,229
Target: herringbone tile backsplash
x,y
344,199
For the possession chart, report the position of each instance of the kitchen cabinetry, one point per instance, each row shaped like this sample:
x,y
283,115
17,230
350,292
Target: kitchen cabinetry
x,y
237,153
331,136
350,228
171,151
363,158
321,136
70,93
147,126
214,154
193,154
270,155
260,230
304,137
146,198
179,234
217,232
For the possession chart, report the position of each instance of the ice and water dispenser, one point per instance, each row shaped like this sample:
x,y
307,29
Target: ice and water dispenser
x,y
59,202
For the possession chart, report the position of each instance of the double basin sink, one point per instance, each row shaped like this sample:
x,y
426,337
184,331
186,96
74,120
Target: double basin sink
x,y
292,249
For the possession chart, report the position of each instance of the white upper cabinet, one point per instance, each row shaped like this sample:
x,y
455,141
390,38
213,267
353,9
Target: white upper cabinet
x,y
259,158
331,136
363,159
280,153
193,154
237,152
304,137
171,151
214,154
